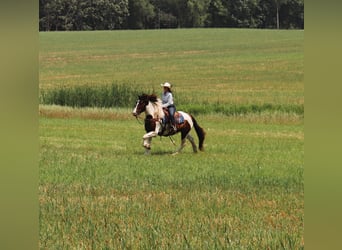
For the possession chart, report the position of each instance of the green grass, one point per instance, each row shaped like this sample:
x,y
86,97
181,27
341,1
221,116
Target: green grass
x,y
229,66
246,191
98,190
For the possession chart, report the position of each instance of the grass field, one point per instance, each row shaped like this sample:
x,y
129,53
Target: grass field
x,y
205,65
246,191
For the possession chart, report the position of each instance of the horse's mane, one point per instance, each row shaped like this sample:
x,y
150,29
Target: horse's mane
x,y
153,98
146,97
156,102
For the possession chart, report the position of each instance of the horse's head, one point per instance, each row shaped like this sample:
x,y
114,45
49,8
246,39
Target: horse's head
x,y
150,104
141,104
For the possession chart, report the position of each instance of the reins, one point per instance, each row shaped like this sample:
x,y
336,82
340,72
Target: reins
x,y
172,140
139,120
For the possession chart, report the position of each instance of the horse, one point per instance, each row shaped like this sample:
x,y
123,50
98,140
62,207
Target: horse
x,y
157,123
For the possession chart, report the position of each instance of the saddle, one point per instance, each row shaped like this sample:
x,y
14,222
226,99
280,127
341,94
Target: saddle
x,y
179,119
166,123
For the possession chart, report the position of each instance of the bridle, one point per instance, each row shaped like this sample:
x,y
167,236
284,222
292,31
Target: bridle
x,y
138,119
136,114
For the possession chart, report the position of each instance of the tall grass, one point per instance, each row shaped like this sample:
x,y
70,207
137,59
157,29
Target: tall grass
x,y
124,95
114,95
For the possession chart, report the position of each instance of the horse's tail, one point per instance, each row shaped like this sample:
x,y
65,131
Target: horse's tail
x,y
200,133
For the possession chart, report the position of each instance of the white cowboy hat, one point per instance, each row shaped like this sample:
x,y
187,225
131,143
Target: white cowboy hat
x,y
167,85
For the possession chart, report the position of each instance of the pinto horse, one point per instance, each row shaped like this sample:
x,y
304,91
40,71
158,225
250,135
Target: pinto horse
x,y
156,123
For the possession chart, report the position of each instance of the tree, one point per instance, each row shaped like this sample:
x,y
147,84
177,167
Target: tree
x,y
196,13
82,14
217,14
105,14
115,13
278,4
141,14
244,13
49,18
171,13
147,14
292,14
266,14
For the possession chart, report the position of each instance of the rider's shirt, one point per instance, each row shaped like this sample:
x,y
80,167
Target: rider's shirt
x,y
167,99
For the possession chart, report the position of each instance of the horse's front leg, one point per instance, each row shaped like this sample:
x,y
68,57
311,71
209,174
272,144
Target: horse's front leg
x,y
147,138
147,142
147,145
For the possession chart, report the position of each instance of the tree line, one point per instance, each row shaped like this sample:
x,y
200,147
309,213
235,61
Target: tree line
x,y
154,14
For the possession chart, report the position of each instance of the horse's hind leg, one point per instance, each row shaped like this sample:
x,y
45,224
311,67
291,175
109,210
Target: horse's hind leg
x,y
181,146
185,133
191,139
183,140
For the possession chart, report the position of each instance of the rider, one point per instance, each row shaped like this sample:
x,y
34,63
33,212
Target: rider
x,y
167,102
